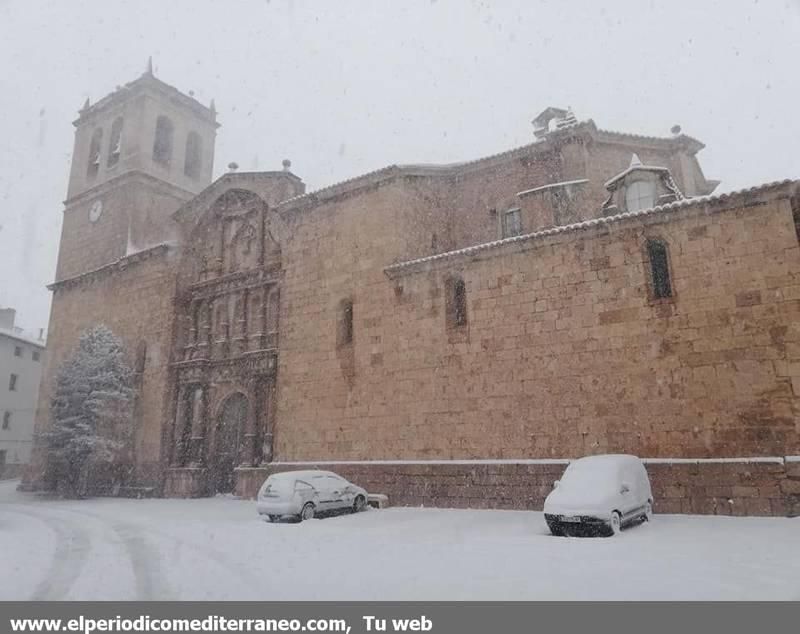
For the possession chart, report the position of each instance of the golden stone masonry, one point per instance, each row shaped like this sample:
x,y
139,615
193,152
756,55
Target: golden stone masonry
x,y
447,334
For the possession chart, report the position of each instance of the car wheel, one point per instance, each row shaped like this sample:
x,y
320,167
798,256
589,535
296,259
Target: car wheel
x,y
274,518
648,512
307,513
616,523
556,529
360,504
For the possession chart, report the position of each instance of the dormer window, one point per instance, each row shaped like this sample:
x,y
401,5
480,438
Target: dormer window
x,y
640,187
640,195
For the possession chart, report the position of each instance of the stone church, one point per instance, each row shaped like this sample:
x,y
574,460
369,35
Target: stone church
x,y
448,334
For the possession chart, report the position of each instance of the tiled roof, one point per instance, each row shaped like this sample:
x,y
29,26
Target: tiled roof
x,y
450,169
586,224
698,145
147,79
116,265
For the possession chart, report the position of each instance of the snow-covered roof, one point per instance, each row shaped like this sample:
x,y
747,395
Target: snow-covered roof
x,y
116,265
571,128
146,80
22,336
399,267
635,168
579,181
229,180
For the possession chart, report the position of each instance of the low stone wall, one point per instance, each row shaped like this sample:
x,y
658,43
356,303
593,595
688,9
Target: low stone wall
x,y
11,471
187,482
726,488
767,486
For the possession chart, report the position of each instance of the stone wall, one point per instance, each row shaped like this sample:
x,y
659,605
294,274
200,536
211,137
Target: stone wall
x,y
135,301
766,487
565,352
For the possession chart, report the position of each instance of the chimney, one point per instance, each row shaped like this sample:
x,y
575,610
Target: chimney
x,y
7,316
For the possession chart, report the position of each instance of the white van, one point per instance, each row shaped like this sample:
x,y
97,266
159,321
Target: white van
x,y
599,494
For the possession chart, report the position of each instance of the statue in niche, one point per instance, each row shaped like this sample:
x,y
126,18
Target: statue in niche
x,y
243,252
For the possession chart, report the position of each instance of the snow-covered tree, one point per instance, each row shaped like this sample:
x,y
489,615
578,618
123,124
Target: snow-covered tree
x,y
91,410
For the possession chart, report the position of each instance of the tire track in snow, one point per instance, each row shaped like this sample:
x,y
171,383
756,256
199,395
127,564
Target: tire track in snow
x,y
248,580
71,554
145,563
149,582
152,581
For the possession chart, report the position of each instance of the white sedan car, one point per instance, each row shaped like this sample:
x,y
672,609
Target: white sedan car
x,y
304,494
599,494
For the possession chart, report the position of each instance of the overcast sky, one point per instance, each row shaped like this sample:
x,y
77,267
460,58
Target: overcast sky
x,y
342,88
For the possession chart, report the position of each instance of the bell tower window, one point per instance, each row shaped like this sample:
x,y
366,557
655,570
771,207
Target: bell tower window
x,y
194,155
115,142
94,152
162,144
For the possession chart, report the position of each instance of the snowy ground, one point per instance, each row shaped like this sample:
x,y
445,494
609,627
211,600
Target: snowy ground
x,y
107,549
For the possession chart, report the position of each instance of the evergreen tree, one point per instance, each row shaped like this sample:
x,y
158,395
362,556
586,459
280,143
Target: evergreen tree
x,y
91,413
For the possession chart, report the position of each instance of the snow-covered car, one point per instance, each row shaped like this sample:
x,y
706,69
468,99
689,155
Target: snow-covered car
x,y
599,495
304,494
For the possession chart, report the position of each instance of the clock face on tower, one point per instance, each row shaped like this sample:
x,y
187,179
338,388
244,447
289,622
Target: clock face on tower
x,y
95,210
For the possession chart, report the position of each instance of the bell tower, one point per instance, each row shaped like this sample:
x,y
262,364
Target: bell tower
x,y
139,153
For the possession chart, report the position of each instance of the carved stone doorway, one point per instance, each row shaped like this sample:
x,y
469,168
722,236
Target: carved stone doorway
x,y
230,427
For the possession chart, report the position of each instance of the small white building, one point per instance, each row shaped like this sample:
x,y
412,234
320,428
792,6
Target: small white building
x,y
21,359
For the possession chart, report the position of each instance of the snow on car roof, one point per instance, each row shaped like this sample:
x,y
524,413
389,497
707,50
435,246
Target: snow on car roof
x,y
307,473
599,469
611,458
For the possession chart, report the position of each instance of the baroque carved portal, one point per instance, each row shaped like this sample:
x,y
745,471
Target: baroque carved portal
x,y
230,428
228,341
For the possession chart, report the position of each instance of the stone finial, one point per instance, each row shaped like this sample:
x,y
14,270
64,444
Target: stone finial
x,y
213,107
149,69
635,160
287,165
233,166
85,104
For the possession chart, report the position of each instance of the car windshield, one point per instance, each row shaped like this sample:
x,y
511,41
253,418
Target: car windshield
x,y
593,475
280,483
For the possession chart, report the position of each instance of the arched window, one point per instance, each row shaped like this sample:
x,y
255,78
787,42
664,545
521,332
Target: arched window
x,y
141,358
162,144
194,155
94,152
658,255
640,195
115,142
456,303
345,325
